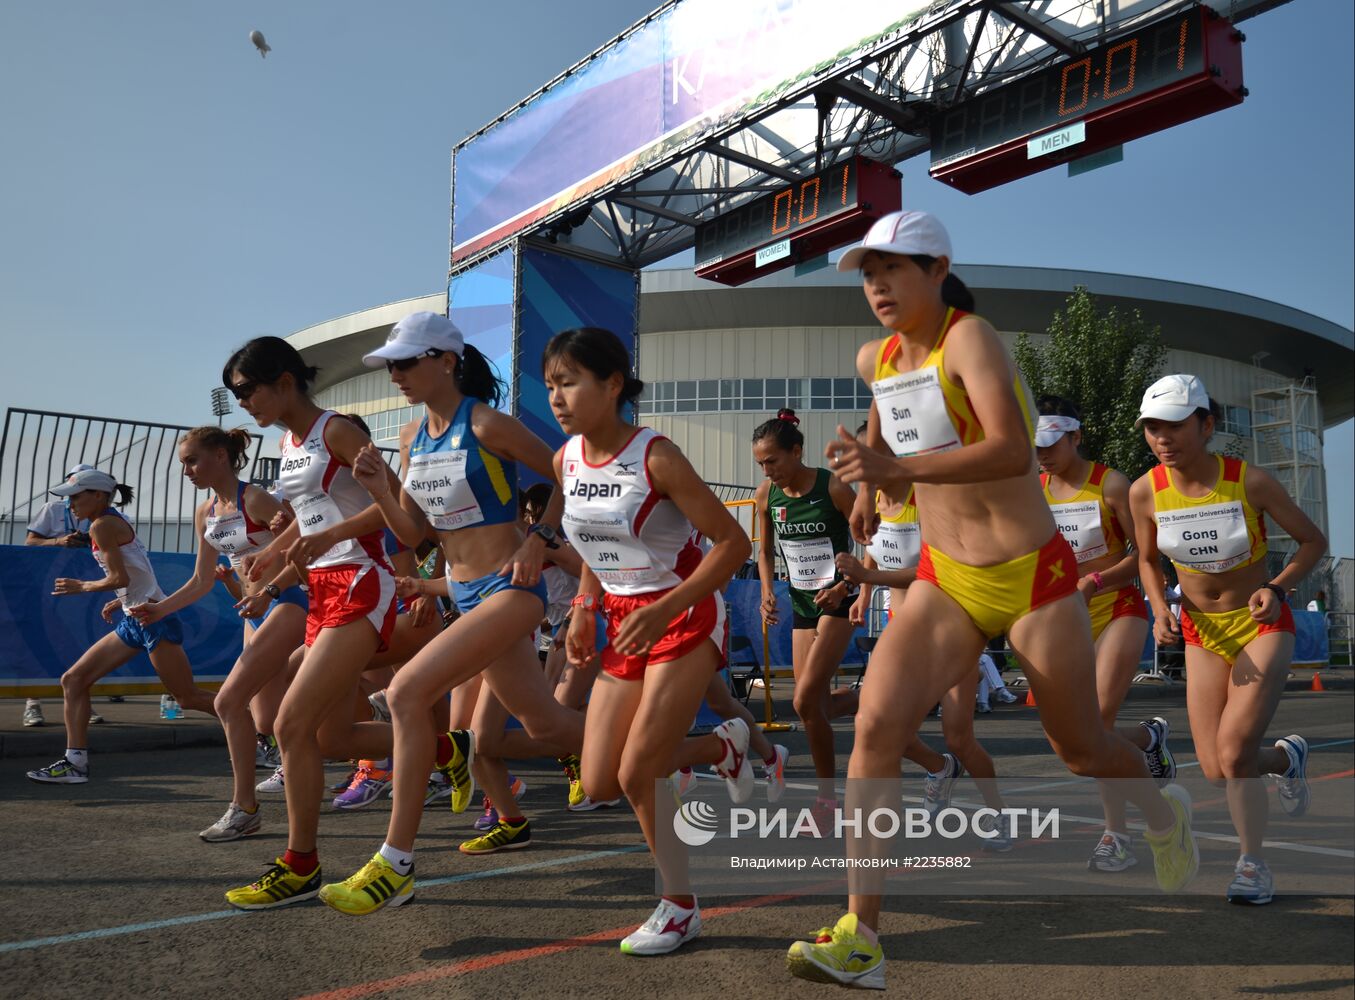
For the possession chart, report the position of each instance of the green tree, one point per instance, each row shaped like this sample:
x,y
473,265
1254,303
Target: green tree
x,y
1103,361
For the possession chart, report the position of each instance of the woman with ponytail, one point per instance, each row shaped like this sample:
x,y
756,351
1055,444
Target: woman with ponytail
x,y
804,510
336,539
951,417
128,573
231,522
460,464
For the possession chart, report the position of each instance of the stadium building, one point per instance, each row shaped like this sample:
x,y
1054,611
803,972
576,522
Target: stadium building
x,y
718,361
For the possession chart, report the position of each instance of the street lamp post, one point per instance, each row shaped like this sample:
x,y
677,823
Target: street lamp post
x,y
221,403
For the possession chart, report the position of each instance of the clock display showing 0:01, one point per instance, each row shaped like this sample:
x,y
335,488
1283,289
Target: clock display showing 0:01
x,y
1151,58
779,215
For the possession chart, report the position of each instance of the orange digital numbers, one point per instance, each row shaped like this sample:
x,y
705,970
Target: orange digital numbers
x,y
1133,46
1085,65
781,227
804,200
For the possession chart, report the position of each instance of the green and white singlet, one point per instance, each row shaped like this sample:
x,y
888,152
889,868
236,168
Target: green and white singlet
x,y
811,532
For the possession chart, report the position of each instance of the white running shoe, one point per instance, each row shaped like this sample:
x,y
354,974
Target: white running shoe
x,y
438,788
1295,793
668,928
33,714
272,784
937,788
234,824
1252,884
775,773
1112,853
734,766
588,804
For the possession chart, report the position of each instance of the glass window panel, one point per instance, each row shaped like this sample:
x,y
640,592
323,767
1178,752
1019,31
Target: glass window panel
x,y
686,389
821,402
844,386
821,386
686,406
729,393
751,403
708,389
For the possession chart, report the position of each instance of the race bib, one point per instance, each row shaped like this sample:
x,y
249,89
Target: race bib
x,y
809,562
1080,525
896,545
913,415
1209,539
437,481
613,554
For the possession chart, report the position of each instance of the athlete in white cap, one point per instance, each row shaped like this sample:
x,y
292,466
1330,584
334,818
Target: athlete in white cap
x,y
950,414
128,573
1206,513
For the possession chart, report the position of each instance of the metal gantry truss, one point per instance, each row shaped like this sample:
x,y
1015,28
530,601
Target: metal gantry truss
x,y
877,102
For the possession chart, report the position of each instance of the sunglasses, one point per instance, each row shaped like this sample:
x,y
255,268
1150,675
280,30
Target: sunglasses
x,y
243,390
405,364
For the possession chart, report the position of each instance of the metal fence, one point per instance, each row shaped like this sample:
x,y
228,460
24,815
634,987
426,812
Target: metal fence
x,y
38,447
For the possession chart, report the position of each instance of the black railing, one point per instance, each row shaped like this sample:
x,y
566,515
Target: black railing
x,y
37,448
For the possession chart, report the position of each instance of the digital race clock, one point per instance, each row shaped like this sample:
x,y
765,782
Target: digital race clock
x,y
1169,72
800,221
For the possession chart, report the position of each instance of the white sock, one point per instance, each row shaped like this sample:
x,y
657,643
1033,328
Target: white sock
x,y
401,861
80,758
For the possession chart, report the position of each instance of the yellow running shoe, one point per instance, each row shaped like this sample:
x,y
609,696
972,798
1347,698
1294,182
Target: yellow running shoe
x,y
503,836
839,955
457,768
570,765
375,885
1175,854
280,886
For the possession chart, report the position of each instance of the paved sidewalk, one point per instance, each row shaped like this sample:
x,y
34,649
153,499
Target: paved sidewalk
x,y
129,726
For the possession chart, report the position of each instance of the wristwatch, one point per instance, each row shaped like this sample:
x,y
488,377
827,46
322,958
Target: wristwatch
x,y
586,601
547,533
272,591
1274,589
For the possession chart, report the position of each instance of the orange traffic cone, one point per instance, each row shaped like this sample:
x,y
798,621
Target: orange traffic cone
x,y
1317,682
1030,698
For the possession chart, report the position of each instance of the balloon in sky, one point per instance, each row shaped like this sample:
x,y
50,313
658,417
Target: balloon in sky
x,y
257,38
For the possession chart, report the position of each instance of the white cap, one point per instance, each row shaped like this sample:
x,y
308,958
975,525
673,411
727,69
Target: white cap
x,y
904,233
85,479
1052,427
415,334
1173,398
79,467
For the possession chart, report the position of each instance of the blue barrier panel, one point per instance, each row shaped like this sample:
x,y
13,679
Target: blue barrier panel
x,y
41,635
743,599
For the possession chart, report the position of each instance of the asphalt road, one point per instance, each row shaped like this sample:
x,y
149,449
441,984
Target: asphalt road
x,y
110,893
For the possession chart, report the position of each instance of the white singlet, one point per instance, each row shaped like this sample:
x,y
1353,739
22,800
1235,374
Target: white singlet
x,y
323,493
634,540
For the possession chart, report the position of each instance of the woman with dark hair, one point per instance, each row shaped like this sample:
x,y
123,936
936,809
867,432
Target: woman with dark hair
x,y
1090,503
951,416
1206,513
232,523
633,506
128,573
460,467
336,540
804,511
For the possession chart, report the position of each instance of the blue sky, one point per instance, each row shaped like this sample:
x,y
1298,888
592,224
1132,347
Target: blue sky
x,y
167,194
